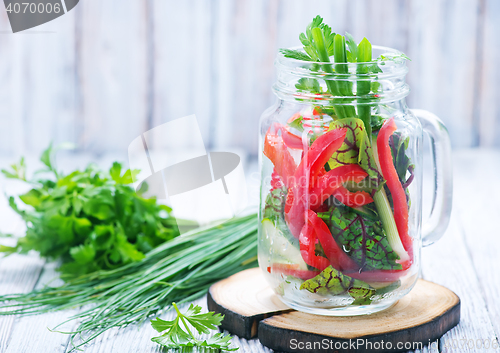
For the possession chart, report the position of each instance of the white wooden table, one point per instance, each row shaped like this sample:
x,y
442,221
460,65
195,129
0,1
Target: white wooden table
x,y
466,260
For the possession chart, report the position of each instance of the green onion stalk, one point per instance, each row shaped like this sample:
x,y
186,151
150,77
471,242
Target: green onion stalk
x,y
364,86
322,52
179,270
363,54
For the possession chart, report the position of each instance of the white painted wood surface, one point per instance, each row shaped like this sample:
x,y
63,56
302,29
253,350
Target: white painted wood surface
x,y
465,260
109,70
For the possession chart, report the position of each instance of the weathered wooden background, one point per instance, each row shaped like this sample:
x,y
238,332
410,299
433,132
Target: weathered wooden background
x,y
111,69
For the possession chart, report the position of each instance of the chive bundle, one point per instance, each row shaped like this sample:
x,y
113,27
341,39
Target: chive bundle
x,y
179,270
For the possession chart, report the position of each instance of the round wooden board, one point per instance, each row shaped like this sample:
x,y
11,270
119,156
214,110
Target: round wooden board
x,y
244,299
251,308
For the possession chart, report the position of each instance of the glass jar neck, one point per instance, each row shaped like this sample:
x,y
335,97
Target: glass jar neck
x,y
378,82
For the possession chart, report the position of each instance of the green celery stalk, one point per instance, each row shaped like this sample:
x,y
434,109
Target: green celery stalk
x,y
319,40
340,56
342,88
364,87
386,216
389,224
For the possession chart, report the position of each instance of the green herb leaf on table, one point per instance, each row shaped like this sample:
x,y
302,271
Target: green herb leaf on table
x,y
177,333
48,156
91,219
18,171
179,270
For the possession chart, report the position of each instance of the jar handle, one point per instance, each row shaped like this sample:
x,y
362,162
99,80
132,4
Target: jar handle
x,y
438,221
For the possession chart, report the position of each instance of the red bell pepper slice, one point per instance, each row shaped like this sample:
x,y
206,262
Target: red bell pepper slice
x,y
307,241
352,199
338,258
310,167
276,150
315,112
292,270
325,185
290,140
393,183
276,182
320,152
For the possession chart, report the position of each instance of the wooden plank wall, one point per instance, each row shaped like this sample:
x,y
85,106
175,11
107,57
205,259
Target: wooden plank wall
x,y
112,69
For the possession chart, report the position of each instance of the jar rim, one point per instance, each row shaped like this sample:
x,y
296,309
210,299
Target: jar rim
x,y
380,48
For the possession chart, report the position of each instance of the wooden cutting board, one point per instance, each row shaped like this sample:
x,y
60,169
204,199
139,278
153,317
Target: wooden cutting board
x,y
252,310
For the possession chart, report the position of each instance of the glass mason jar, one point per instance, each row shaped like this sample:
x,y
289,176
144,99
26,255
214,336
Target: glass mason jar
x,y
341,185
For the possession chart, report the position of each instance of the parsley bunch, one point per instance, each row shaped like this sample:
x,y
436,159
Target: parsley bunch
x,y
90,219
175,337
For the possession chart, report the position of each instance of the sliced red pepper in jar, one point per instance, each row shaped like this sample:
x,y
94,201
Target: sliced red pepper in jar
x,y
393,183
291,140
338,258
320,152
352,199
307,241
276,182
310,167
324,186
276,150
292,270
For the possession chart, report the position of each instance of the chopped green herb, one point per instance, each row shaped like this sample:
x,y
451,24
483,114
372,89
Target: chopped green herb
x,y
174,336
179,270
295,54
90,219
308,84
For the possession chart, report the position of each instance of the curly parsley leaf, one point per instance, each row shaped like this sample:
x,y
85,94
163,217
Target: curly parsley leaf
x,y
295,54
18,171
352,53
311,45
313,51
91,219
177,334
308,85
